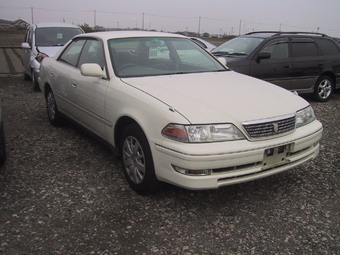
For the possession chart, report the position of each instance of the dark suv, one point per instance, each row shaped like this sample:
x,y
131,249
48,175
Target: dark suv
x,y
298,61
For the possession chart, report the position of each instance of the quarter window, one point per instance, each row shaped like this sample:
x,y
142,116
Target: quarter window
x,y
328,47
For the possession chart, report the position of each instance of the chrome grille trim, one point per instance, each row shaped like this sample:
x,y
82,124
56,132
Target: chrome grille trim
x,y
270,127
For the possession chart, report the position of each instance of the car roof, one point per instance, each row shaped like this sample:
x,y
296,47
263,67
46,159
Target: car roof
x,y
267,34
53,24
128,34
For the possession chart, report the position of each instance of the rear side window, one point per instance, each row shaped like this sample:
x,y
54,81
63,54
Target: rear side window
x,y
328,47
304,49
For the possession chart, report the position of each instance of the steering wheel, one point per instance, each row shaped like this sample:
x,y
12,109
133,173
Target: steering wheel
x,y
125,66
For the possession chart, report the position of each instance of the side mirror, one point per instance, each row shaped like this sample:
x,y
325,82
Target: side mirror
x,y
91,69
264,55
25,45
223,61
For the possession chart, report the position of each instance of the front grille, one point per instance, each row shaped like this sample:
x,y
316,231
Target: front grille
x,y
270,127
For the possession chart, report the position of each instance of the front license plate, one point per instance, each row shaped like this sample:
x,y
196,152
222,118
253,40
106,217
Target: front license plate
x,y
276,156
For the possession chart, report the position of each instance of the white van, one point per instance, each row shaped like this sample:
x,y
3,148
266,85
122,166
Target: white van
x,y
41,40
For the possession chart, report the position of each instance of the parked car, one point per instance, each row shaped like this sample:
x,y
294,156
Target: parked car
x,y
304,62
2,140
203,43
174,113
43,39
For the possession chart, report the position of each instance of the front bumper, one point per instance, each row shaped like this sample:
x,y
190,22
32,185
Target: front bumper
x,y
234,162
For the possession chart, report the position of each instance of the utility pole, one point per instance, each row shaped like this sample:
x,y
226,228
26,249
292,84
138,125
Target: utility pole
x,y
239,28
32,14
143,22
199,26
94,21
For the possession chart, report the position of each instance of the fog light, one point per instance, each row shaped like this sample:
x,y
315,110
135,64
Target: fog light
x,y
192,171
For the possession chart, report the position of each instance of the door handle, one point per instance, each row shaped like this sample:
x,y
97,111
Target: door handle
x,y
74,85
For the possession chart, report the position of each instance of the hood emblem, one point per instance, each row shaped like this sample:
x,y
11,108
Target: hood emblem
x,y
275,127
171,108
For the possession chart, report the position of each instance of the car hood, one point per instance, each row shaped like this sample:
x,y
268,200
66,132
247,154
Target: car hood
x,y
50,50
219,97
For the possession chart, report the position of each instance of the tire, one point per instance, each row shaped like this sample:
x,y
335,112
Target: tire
x,y
52,109
27,77
323,88
2,145
137,162
35,82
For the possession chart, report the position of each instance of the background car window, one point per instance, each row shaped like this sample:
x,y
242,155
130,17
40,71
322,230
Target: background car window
x,y
92,53
239,45
72,52
55,36
277,50
29,37
304,49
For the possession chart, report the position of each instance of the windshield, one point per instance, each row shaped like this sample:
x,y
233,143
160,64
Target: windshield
x,y
55,36
149,56
239,46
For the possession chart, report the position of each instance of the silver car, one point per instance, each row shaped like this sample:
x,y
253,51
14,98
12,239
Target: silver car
x,y
44,39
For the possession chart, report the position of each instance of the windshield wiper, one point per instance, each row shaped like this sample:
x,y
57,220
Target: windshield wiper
x,y
220,53
225,53
237,54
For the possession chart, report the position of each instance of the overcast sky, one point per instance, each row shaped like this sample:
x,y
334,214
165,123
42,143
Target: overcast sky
x,y
212,16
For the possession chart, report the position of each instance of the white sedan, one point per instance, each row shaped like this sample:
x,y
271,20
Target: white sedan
x,y
176,114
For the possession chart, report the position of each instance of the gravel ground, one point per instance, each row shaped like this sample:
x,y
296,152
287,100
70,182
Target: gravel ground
x,y
62,192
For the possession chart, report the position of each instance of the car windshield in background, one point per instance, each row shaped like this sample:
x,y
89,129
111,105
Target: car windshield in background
x,y
145,56
238,47
55,36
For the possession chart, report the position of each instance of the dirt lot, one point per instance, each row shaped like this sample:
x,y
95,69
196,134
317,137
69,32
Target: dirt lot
x,y
62,192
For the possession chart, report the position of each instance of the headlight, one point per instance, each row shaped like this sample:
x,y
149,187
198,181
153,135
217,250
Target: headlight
x,y
304,116
202,133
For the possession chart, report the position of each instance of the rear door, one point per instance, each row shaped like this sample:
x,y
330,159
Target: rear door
x,y
308,63
276,69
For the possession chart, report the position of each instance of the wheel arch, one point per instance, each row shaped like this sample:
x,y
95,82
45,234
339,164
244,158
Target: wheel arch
x,y
121,124
47,88
330,75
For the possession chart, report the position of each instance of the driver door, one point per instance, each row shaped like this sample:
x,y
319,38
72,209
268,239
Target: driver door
x,y
276,69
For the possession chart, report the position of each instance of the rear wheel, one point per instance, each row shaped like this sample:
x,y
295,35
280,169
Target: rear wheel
x,y
323,88
52,109
137,161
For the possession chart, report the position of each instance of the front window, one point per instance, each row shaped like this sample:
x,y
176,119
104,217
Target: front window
x,y
149,56
239,46
72,52
277,50
55,36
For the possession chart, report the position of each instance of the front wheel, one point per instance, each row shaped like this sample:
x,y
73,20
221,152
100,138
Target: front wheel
x,y
35,82
52,109
137,161
323,88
